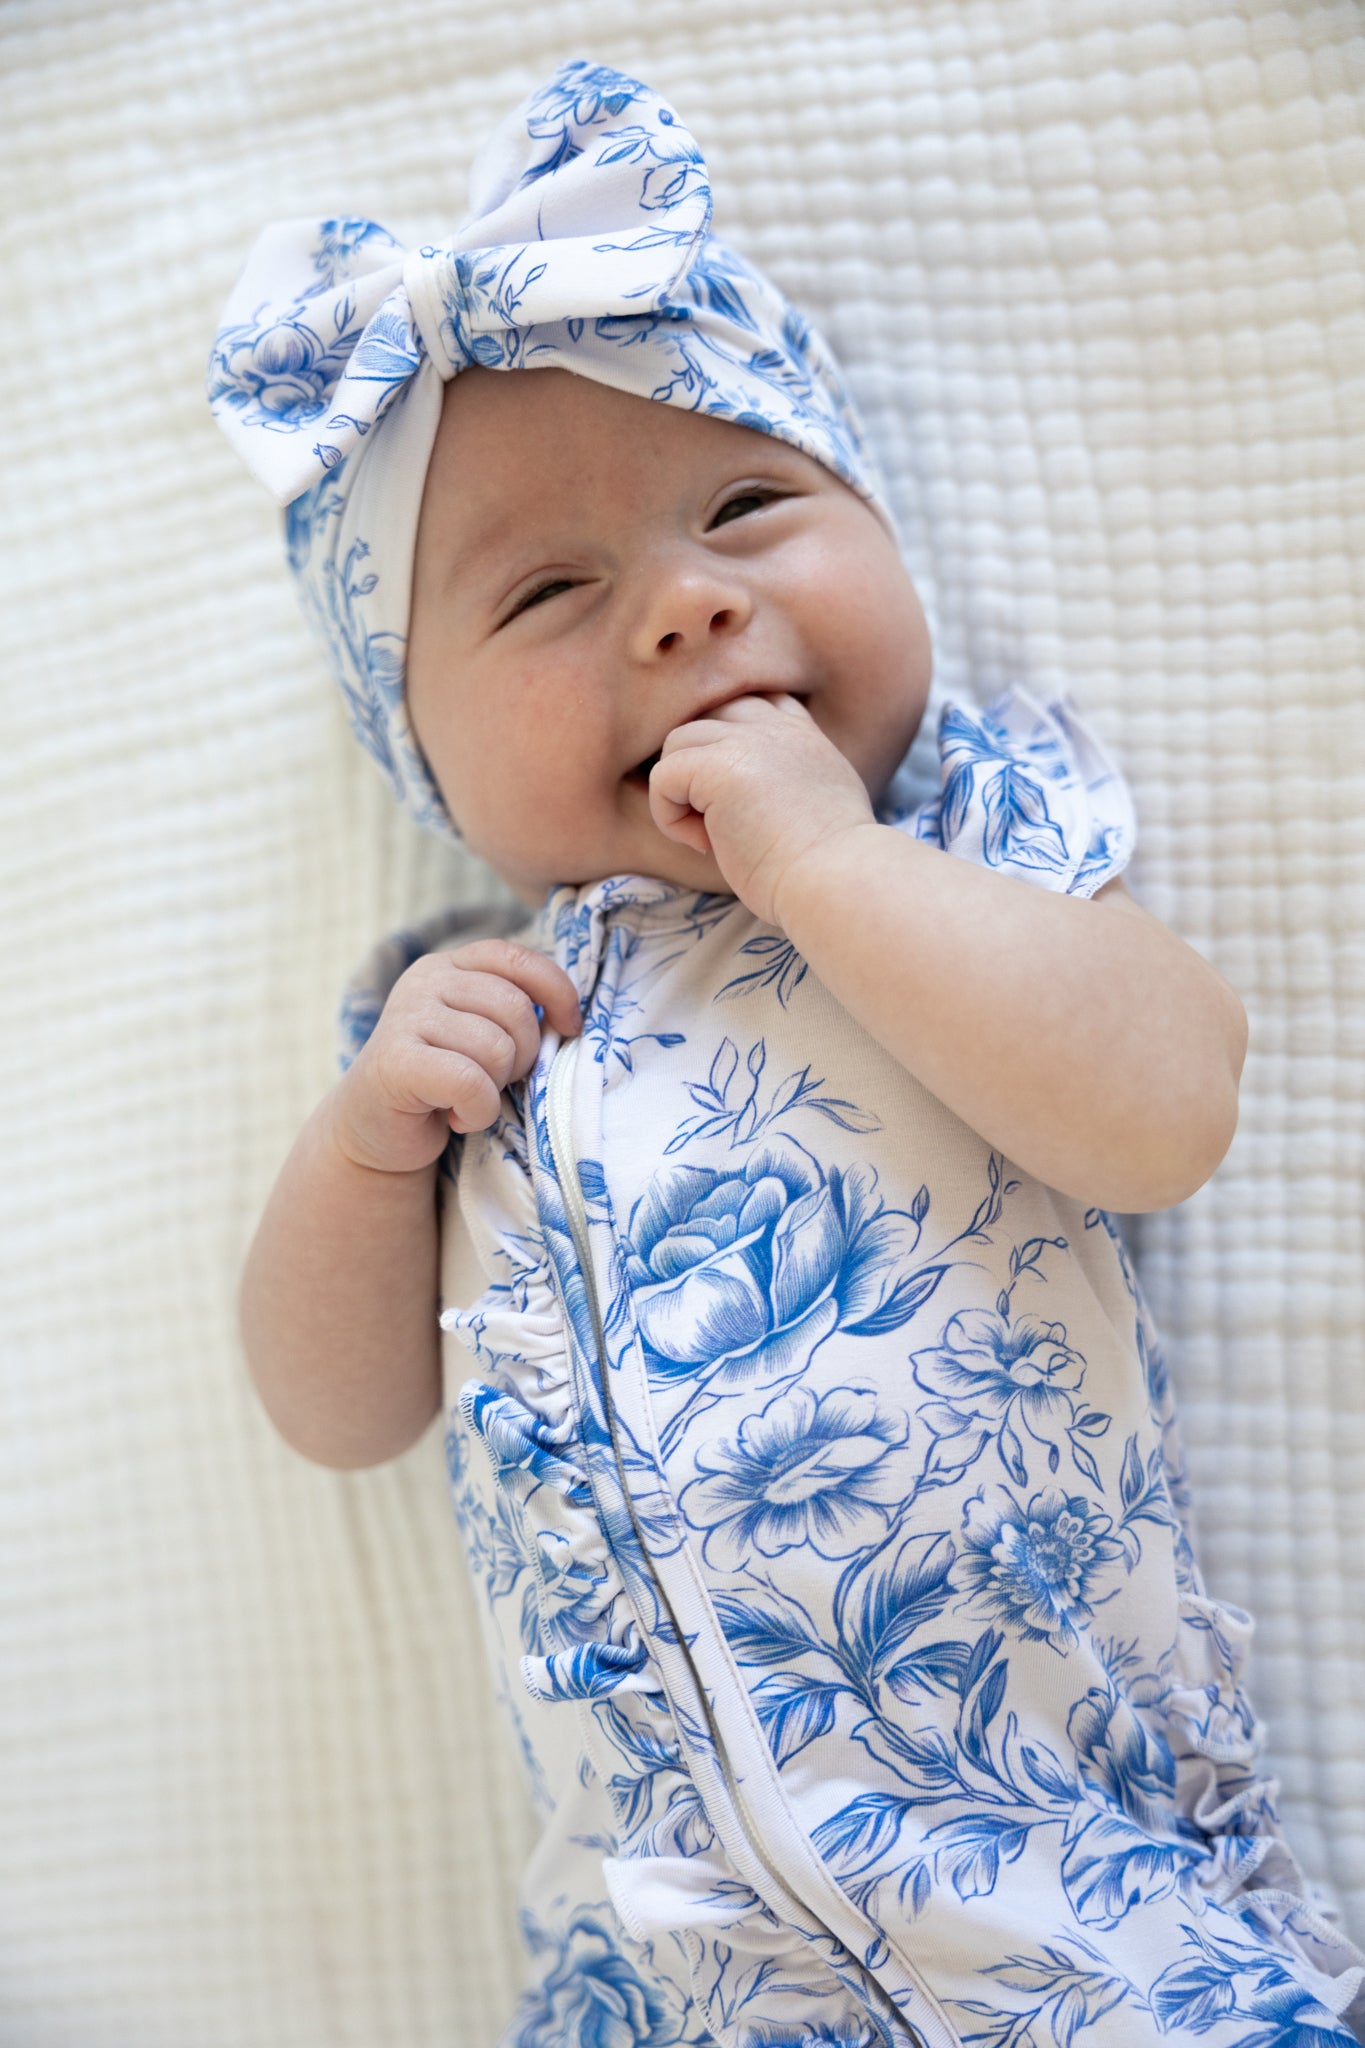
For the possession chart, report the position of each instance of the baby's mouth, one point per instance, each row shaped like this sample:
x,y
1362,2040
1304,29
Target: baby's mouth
x,y
640,772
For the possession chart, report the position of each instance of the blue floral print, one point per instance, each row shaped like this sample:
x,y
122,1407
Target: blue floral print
x,y
592,1997
811,1469
738,1279
1036,1567
822,1486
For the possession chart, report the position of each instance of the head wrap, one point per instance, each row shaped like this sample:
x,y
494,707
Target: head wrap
x,y
586,249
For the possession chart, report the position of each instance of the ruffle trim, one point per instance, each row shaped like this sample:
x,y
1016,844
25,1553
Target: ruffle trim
x,y
1028,789
669,1879
1216,1741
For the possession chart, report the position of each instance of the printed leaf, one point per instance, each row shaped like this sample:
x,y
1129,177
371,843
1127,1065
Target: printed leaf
x,y
864,1828
903,1301
936,1668
1130,1480
758,1636
795,1711
1086,1463
973,1848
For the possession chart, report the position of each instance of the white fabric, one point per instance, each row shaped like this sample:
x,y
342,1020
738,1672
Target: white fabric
x,y
1094,270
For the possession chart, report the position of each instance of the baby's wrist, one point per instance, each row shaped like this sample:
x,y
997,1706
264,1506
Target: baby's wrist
x,y
822,875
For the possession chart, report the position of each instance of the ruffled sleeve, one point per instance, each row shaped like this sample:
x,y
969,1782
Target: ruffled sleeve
x,y
1029,789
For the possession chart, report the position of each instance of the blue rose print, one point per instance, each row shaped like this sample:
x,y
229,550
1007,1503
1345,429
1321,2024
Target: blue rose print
x,y
281,374
811,1469
1035,1567
594,1998
738,1277
1122,1844
1226,1979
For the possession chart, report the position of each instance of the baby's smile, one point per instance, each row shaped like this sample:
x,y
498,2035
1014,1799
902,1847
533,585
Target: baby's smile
x,y
651,566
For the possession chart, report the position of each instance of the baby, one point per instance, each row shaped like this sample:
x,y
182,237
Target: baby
x,y
842,1605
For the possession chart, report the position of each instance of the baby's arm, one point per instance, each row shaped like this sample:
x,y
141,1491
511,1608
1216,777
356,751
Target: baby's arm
x,y
1081,1037
340,1291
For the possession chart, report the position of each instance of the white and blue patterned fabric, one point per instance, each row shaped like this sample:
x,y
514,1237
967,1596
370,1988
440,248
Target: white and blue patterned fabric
x,y
587,249
820,1483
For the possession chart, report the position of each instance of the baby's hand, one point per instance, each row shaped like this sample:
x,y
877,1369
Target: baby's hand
x,y
755,784
457,1027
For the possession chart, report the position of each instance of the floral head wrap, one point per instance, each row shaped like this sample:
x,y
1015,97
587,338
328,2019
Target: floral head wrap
x,y
586,249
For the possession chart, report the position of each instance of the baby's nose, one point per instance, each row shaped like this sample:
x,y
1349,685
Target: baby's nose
x,y
717,623
690,609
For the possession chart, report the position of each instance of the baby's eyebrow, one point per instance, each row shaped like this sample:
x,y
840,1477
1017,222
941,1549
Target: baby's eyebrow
x,y
463,565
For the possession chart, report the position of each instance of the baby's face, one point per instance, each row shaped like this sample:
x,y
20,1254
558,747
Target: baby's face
x,y
594,569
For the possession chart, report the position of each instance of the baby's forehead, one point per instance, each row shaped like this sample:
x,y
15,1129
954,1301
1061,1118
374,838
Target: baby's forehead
x,y
554,408
522,449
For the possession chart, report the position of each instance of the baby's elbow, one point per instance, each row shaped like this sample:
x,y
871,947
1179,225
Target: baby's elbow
x,y
1197,1143
337,1448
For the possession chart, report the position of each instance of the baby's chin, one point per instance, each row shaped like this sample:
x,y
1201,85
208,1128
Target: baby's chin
x,y
640,849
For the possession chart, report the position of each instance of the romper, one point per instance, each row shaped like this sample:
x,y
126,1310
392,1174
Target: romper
x,y
817,1473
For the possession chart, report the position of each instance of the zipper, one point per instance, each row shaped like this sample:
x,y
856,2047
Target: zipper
x,y
558,1100
558,1119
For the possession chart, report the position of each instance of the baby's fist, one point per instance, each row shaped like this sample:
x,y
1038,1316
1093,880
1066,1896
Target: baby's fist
x,y
456,1029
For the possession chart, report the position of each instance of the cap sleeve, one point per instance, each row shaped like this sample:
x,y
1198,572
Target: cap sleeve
x,y
1028,788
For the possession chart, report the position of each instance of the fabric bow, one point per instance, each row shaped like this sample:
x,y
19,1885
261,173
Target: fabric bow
x,y
587,249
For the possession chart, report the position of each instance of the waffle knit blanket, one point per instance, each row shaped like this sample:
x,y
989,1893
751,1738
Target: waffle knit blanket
x,y
1094,272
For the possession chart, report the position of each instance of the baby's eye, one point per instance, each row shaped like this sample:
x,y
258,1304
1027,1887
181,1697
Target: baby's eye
x,y
742,500
534,597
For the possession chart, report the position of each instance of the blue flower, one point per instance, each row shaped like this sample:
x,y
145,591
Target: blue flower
x,y
811,1469
283,374
737,1278
576,1587
337,242
1036,1566
579,95
1229,1979
1121,1761
1124,1843
994,1375
593,1998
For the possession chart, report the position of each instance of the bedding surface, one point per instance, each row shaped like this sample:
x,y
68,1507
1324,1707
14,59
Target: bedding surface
x,y
1094,269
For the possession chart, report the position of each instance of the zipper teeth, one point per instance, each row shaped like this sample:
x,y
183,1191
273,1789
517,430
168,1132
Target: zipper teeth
x,y
566,1172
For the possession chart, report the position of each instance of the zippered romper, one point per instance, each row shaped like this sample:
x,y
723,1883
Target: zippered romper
x,y
818,1477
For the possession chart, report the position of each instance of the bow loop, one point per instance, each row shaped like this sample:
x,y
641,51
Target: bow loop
x,y
316,341
605,223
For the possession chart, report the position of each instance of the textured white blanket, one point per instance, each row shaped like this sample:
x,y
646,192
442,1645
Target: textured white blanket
x,y
1095,269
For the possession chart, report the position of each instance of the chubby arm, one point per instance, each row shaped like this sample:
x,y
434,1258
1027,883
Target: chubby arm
x,y
338,1302
340,1291
1081,1037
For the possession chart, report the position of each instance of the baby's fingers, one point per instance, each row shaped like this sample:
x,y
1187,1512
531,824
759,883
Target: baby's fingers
x,y
670,787
535,974
455,1083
